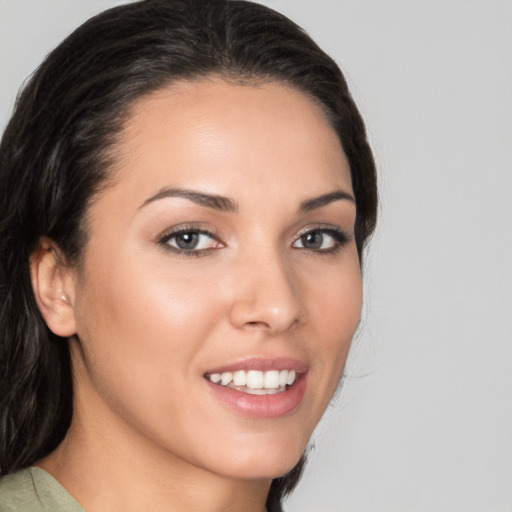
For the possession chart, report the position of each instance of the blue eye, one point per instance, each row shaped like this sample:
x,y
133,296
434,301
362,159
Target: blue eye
x,y
321,240
189,241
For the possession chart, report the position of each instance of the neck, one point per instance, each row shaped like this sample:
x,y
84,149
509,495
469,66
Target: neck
x,y
108,466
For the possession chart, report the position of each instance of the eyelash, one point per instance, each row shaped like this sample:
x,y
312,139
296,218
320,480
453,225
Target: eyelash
x,y
184,230
340,239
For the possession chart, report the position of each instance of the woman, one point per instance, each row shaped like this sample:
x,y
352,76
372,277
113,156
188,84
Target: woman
x,y
187,190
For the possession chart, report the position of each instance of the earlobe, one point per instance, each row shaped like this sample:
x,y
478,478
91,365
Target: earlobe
x,y
54,285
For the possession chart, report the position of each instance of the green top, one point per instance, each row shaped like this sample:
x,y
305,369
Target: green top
x,y
35,490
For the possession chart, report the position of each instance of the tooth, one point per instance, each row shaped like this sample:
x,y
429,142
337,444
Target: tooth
x,y
239,378
254,379
256,391
226,378
271,379
291,377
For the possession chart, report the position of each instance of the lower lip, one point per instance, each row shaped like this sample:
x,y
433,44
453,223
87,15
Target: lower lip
x,y
262,406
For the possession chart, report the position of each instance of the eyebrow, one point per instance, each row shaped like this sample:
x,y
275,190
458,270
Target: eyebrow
x,y
225,204
219,203
324,200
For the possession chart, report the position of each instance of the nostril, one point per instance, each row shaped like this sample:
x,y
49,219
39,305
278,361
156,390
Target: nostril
x,y
257,325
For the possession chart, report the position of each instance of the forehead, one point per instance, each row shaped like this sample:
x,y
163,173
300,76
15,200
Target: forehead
x,y
218,136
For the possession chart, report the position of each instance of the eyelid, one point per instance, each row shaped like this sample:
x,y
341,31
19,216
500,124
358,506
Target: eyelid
x,y
175,231
327,228
340,236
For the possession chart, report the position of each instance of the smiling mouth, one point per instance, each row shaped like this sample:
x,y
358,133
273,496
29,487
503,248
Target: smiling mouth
x,y
255,382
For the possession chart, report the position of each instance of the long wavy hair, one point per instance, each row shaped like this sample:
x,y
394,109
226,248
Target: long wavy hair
x,y
59,146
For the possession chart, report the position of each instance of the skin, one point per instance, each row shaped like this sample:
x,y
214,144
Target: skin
x,y
147,433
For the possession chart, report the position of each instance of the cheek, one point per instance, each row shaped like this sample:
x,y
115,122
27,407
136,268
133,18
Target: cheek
x,y
141,326
334,296
146,302
334,312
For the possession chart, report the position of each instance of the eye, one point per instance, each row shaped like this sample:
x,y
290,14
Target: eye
x,y
190,241
321,240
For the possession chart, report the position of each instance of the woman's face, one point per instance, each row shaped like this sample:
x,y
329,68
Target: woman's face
x,y
223,250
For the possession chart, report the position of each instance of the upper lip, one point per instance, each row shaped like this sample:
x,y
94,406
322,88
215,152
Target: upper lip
x,y
262,364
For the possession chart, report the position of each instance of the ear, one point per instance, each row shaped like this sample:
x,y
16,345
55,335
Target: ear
x,y
54,287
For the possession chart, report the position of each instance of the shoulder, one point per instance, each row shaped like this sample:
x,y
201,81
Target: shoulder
x,y
35,490
18,493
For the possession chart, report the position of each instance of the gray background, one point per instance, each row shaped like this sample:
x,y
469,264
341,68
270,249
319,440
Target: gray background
x,y
424,419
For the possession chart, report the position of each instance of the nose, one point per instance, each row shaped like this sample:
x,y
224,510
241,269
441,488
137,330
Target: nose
x,y
267,296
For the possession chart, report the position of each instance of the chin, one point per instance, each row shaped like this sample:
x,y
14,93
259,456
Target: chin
x,y
263,462
267,470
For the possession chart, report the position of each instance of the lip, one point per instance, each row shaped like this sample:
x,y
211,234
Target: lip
x,y
261,406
